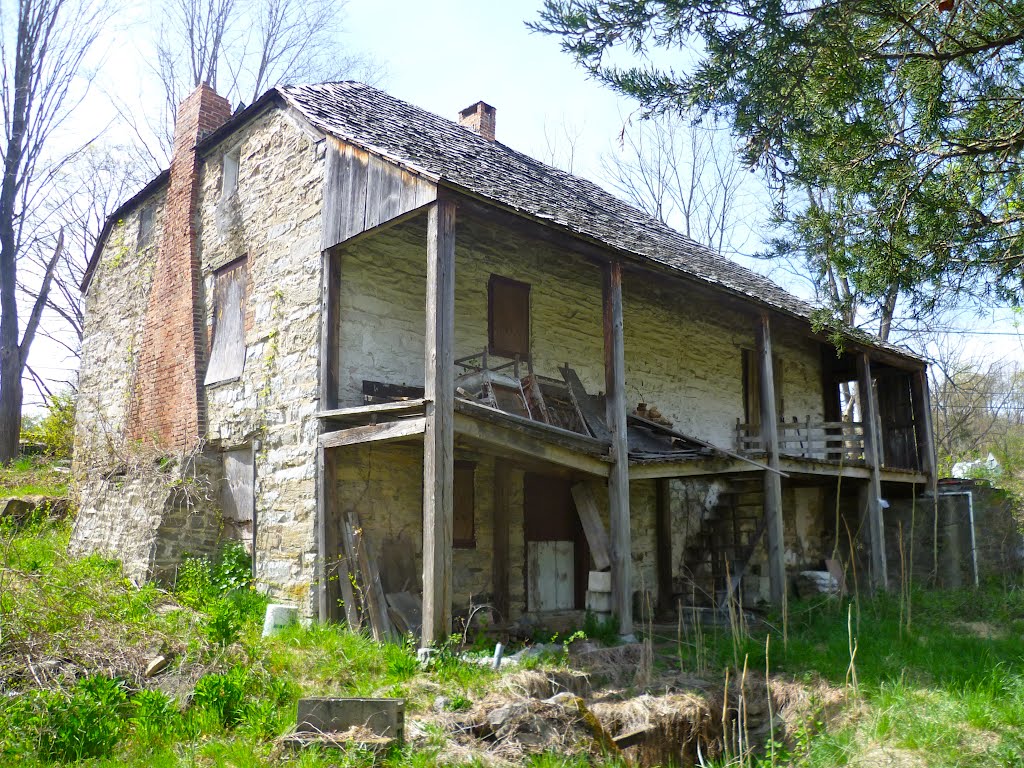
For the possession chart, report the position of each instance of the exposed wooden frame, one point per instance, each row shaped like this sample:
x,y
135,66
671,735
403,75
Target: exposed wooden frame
x,y
772,481
618,477
439,433
873,493
385,432
371,412
923,430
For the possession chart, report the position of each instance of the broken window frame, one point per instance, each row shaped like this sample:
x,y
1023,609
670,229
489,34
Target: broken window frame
x,y
231,165
147,227
496,285
227,342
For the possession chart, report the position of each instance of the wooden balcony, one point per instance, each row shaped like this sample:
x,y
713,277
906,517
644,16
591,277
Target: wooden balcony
x,y
838,441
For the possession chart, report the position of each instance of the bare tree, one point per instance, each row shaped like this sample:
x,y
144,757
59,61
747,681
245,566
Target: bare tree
x,y
41,60
683,173
243,47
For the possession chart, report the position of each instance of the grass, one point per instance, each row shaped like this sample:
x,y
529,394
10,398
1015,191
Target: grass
x,y
947,691
32,476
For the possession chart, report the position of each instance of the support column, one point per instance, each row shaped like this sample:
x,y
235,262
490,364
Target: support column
x,y
326,501
439,437
502,502
663,544
618,479
775,530
876,526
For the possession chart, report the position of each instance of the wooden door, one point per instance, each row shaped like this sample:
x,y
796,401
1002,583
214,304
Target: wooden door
x,y
557,557
896,414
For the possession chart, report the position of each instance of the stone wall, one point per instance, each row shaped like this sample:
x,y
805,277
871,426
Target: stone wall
x,y
683,353
273,220
115,309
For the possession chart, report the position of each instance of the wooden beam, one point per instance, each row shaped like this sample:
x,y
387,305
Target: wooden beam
x,y
330,315
386,432
663,544
323,499
593,527
618,477
439,435
873,494
772,481
529,449
368,412
501,540
536,429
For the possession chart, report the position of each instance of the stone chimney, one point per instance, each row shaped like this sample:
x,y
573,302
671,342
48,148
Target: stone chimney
x,y
479,118
168,407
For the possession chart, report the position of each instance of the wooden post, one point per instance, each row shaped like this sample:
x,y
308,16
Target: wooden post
x,y
876,526
502,503
663,544
618,478
326,512
439,437
330,314
774,530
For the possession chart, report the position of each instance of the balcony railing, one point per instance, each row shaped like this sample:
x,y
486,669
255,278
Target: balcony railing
x,y
825,440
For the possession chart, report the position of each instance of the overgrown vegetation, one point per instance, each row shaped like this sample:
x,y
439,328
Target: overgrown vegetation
x,y
944,689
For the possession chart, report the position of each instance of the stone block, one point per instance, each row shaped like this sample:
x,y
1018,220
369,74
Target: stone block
x,y
600,581
599,602
384,717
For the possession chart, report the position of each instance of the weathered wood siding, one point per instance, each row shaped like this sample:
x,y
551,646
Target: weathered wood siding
x,y
361,191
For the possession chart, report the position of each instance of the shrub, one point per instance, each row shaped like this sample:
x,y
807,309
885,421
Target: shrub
x,y
55,430
223,694
156,715
85,722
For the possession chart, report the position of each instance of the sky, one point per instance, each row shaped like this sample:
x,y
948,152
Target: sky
x,y
444,55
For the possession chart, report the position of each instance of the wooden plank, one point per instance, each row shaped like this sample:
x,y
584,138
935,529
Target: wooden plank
x,y
404,609
873,500
618,477
593,528
366,412
348,572
923,423
373,590
772,481
363,191
323,510
439,433
585,404
523,447
655,426
501,533
536,429
663,544
374,433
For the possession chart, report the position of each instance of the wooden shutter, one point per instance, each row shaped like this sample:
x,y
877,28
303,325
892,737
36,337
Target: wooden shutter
x,y
227,352
508,317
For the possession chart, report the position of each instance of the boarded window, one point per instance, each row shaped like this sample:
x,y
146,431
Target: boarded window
x,y
237,496
227,352
229,181
464,532
147,226
508,317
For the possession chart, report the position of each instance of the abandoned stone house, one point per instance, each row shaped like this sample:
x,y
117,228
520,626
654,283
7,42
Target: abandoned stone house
x,y
351,319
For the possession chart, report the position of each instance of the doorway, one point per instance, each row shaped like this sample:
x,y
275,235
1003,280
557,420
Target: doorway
x,y
557,556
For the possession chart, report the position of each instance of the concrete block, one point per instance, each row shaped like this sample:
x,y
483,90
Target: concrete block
x,y
599,602
278,617
385,717
600,581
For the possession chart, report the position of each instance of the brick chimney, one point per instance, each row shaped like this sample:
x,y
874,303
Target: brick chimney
x,y
479,118
168,407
